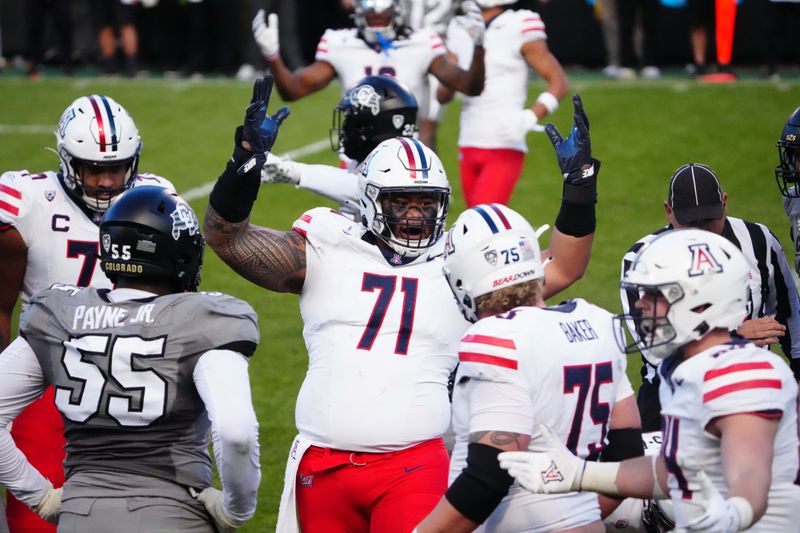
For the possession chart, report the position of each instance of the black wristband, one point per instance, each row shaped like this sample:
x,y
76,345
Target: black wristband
x,y
233,195
622,444
481,486
576,219
580,189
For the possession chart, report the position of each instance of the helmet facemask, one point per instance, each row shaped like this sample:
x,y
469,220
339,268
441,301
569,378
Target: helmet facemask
x,y
656,333
377,20
787,173
96,198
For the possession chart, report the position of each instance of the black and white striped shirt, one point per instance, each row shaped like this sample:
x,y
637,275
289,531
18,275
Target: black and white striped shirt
x,y
773,289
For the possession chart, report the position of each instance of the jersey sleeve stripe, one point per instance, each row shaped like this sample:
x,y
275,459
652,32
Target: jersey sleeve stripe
x,y
301,231
10,191
473,357
492,341
306,217
743,385
9,208
321,50
437,45
739,367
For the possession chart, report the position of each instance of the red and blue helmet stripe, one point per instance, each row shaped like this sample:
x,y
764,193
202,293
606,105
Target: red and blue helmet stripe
x,y
413,150
493,216
106,127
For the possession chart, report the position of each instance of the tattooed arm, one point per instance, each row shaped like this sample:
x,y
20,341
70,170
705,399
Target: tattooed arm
x,y
275,260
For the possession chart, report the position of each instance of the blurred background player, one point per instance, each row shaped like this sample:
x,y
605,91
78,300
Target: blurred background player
x,y
522,364
381,44
787,173
376,109
395,321
729,406
151,365
48,234
494,124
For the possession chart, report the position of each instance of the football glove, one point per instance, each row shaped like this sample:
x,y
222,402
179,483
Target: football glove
x,y
266,35
212,500
574,154
555,471
721,515
260,130
50,504
277,170
472,21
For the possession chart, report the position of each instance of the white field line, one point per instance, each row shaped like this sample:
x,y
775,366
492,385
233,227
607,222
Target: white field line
x,y
202,190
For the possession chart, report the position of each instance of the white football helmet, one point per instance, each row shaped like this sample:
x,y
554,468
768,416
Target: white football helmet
x,y
704,278
368,7
490,247
96,130
395,168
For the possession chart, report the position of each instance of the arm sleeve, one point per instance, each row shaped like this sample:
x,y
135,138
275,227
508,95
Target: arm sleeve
x,y
335,183
223,383
21,382
499,406
785,302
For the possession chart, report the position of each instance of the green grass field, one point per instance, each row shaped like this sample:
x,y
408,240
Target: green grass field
x,y
641,131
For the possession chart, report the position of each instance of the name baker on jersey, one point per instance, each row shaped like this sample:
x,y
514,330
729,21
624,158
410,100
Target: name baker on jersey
x,y
108,316
578,331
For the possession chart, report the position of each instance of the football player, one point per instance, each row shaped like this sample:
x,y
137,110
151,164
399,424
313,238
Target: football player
x,y
380,324
146,375
48,234
522,364
376,109
729,407
494,124
379,45
788,175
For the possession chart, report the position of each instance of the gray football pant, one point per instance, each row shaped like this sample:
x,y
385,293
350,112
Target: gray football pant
x,y
130,515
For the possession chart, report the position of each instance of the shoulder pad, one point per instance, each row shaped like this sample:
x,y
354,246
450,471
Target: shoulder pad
x,y
322,224
18,193
146,178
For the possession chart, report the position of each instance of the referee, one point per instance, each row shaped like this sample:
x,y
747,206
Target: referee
x,y
696,199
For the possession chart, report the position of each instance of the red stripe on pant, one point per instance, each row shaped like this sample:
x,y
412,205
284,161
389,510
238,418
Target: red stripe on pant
x,y
488,175
38,432
362,492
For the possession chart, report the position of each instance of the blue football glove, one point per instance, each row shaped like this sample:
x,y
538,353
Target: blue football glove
x,y
575,153
260,130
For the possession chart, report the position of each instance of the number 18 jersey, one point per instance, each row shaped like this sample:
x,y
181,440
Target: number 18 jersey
x,y
381,339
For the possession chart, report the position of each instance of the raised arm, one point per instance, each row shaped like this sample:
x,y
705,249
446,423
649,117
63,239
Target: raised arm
x,y
12,272
291,85
539,58
571,244
272,259
469,82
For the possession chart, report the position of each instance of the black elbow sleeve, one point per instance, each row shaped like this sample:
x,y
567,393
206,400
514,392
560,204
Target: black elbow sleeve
x,y
480,487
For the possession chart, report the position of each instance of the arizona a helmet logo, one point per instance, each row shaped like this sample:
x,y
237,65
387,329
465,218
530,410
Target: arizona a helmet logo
x,y
703,260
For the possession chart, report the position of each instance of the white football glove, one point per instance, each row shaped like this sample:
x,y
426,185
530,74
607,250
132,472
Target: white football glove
x,y
211,499
472,21
278,170
721,515
555,471
266,35
50,504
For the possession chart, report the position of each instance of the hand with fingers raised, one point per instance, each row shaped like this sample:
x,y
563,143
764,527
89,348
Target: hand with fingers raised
x,y
260,130
574,156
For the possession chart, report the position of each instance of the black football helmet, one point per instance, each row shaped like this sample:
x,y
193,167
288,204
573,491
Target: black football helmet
x,y
151,232
788,171
377,108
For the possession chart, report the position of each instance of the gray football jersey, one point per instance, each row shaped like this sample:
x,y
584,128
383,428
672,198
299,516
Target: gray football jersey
x,y
792,208
122,374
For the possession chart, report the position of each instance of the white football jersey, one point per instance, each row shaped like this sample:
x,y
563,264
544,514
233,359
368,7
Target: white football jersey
x,y
485,118
382,340
559,366
62,239
407,59
731,378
